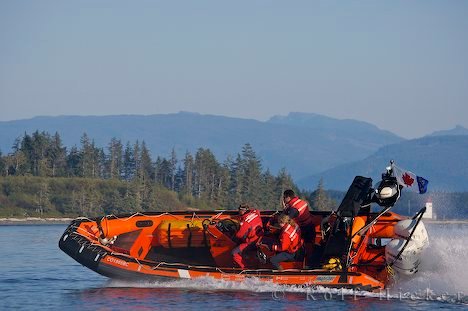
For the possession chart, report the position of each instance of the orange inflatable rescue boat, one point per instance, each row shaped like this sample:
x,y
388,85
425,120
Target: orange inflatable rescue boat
x,y
354,247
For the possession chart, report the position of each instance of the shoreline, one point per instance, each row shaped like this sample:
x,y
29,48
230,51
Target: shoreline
x,y
448,222
35,221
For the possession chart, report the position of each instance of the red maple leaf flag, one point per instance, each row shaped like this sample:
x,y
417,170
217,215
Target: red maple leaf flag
x,y
407,179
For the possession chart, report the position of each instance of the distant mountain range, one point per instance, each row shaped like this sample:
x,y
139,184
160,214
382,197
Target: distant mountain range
x,y
304,144
440,159
308,145
458,130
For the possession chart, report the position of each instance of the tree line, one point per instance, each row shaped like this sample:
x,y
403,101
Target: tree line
x,y
39,176
196,180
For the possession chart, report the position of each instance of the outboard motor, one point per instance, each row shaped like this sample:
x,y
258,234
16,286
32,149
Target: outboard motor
x,y
404,253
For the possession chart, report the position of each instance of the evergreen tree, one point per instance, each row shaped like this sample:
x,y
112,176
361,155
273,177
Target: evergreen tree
x,y
236,182
179,181
188,185
2,164
320,199
57,155
27,150
137,161
205,170
128,163
115,158
40,145
95,164
269,200
251,176
173,167
283,182
73,163
102,171
20,164
87,157
157,170
163,172
146,166
222,187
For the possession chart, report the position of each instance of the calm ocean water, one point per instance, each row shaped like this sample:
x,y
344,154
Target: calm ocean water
x,y
36,275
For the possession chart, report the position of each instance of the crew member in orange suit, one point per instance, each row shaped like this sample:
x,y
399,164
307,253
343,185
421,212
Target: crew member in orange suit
x,y
298,210
250,230
290,241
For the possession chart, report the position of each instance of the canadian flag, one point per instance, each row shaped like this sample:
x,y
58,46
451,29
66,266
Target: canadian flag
x,y
409,180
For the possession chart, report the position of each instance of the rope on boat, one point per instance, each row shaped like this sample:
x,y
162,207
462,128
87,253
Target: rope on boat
x,y
181,264
83,218
137,214
194,215
264,270
146,266
218,215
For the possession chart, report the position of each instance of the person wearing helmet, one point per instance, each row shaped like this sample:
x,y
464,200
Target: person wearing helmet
x,y
250,230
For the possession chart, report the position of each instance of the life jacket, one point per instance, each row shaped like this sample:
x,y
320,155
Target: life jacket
x,y
290,239
305,217
251,227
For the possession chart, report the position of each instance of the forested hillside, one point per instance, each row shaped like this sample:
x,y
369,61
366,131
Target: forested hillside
x,y
41,177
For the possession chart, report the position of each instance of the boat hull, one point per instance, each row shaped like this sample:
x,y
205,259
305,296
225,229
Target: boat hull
x,y
88,251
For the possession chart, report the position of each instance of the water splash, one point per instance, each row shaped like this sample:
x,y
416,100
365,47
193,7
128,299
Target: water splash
x,y
442,273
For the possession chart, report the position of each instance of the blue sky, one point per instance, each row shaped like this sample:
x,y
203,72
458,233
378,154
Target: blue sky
x,y
401,65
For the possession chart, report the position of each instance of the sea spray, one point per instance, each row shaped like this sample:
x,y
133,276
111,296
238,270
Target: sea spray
x,y
443,270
